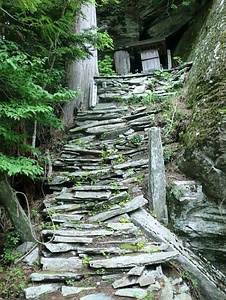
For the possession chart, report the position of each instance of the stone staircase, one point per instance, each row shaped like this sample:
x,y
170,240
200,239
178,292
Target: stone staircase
x,y
92,248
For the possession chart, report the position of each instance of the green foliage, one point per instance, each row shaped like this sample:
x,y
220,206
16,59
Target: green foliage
x,y
14,285
106,66
150,296
136,140
179,60
23,100
38,43
20,165
30,5
182,3
10,254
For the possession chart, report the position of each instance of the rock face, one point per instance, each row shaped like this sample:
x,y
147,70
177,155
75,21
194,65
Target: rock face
x,y
130,21
198,221
204,157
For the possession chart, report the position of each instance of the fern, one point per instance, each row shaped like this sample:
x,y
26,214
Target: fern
x,y
20,165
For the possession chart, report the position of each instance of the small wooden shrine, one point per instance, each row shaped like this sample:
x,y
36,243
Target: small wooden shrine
x,y
143,57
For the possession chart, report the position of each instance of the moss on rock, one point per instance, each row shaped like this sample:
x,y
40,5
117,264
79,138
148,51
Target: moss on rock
x,y
206,133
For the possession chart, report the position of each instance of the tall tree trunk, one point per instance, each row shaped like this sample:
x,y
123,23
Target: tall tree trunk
x,y
81,72
14,210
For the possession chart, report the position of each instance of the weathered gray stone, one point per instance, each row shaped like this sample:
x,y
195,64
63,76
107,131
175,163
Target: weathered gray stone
x,y
99,195
154,287
132,164
147,278
61,264
59,276
66,217
70,290
35,291
125,281
167,290
156,182
136,293
71,239
60,247
106,128
100,296
32,257
121,226
119,210
136,271
134,260
78,233
200,221
63,207
182,296
25,247
211,283
99,187
31,250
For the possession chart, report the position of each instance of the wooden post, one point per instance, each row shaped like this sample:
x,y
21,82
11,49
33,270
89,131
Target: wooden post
x,y
122,62
93,94
169,59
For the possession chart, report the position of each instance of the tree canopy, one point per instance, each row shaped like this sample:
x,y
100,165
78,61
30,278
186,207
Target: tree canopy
x,y
37,44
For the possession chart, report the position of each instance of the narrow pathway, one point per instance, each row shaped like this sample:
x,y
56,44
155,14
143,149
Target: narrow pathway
x,y
93,250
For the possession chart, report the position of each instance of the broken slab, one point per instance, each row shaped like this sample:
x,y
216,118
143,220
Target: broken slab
x,y
125,281
119,210
127,261
136,271
147,277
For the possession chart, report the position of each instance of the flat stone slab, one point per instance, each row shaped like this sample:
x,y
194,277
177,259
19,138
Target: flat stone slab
x,y
92,195
70,290
74,233
66,217
99,296
71,239
132,205
61,247
136,293
132,164
61,264
35,291
127,261
105,128
45,276
98,188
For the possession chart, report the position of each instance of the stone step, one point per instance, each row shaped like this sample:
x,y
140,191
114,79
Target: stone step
x,y
127,261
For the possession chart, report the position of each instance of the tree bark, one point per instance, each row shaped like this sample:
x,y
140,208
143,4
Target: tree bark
x,y
81,72
14,210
